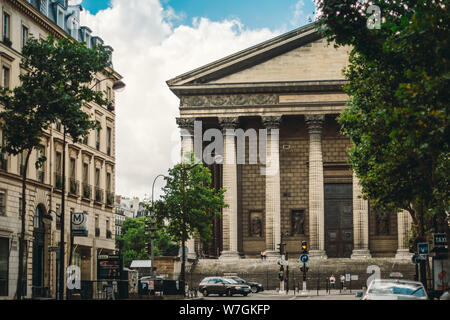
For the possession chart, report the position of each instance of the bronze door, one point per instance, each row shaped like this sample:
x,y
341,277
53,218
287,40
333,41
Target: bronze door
x,y
338,220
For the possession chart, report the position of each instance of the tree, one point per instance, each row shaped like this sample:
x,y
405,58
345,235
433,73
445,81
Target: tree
x,y
54,87
398,111
188,203
132,242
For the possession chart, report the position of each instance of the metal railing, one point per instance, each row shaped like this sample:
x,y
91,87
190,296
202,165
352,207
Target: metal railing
x,y
109,199
87,191
100,290
74,187
99,194
41,176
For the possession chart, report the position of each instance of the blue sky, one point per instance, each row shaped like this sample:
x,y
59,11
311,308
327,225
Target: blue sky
x,y
272,14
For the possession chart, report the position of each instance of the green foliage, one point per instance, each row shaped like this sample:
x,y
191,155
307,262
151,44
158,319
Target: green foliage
x,y
398,113
188,189
132,242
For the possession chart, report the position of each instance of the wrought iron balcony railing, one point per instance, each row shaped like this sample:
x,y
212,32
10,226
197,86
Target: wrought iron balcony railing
x,y
99,195
74,187
87,191
58,181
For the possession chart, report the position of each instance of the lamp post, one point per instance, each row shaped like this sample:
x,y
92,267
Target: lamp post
x,y
118,86
47,218
152,229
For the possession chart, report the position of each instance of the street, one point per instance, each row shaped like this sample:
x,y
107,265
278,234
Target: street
x,y
273,295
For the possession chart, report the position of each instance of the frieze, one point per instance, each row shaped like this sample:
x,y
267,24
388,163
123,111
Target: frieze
x,y
229,100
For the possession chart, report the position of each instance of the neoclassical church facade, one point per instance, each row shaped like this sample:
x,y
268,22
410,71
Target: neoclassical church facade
x,y
292,86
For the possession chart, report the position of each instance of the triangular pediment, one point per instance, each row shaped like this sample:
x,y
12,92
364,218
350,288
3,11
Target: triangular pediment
x,y
299,55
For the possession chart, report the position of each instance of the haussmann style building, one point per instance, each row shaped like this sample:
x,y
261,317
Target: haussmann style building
x,y
90,166
292,83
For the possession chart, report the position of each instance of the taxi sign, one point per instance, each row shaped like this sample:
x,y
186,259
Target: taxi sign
x,y
304,258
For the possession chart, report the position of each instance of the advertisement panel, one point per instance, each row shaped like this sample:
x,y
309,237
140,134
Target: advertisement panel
x,y
109,267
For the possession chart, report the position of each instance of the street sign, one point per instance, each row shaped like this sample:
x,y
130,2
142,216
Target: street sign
x,y
282,262
304,258
79,224
439,239
347,277
423,248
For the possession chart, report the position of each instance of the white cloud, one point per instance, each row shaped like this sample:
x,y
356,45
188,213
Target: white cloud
x,y
148,51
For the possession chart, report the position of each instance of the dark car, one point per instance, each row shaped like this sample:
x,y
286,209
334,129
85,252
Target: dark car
x,y
222,286
255,286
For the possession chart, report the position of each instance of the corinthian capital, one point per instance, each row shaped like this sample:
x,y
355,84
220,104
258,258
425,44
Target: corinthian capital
x,y
229,122
271,122
186,123
315,122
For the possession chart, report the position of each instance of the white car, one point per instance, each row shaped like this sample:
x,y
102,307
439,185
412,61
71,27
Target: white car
x,y
390,289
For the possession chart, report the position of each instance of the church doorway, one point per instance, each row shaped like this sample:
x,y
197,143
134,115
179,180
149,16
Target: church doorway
x,y
338,220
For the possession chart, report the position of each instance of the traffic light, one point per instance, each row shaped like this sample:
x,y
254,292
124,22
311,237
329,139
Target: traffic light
x,y
411,246
304,247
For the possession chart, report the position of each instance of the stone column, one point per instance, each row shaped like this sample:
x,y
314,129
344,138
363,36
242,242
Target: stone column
x,y
230,214
360,223
316,187
272,173
404,222
186,126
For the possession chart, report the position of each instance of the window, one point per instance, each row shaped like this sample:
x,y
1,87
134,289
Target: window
x,y
108,182
6,27
97,177
58,214
75,30
97,136
60,18
5,77
24,35
97,228
44,7
108,140
109,94
22,164
4,266
108,231
85,173
72,168
2,203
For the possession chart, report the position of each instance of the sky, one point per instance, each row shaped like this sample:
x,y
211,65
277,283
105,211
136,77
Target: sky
x,y
157,40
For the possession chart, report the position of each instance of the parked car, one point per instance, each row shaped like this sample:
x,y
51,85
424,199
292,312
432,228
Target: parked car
x,y
389,289
222,286
255,286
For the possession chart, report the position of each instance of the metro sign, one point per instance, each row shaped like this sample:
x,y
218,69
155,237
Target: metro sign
x,y
79,224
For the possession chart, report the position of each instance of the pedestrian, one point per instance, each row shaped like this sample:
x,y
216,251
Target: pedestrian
x,y
262,255
332,282
342,281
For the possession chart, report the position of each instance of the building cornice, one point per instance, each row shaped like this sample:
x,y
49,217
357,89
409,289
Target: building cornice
x,y
260,87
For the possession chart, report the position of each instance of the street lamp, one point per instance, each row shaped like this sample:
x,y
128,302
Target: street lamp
x,y
152,228
118,85
47,219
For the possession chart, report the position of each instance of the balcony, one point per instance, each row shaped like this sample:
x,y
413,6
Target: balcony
x,y
74,187
87,191
109,199
99,195
58,181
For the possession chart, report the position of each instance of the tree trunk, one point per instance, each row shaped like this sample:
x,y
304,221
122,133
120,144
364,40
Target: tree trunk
x,y
19,290
423,263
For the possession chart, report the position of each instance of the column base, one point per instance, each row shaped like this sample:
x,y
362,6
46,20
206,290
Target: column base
x,y
361,254
403,254
317,254
229,255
